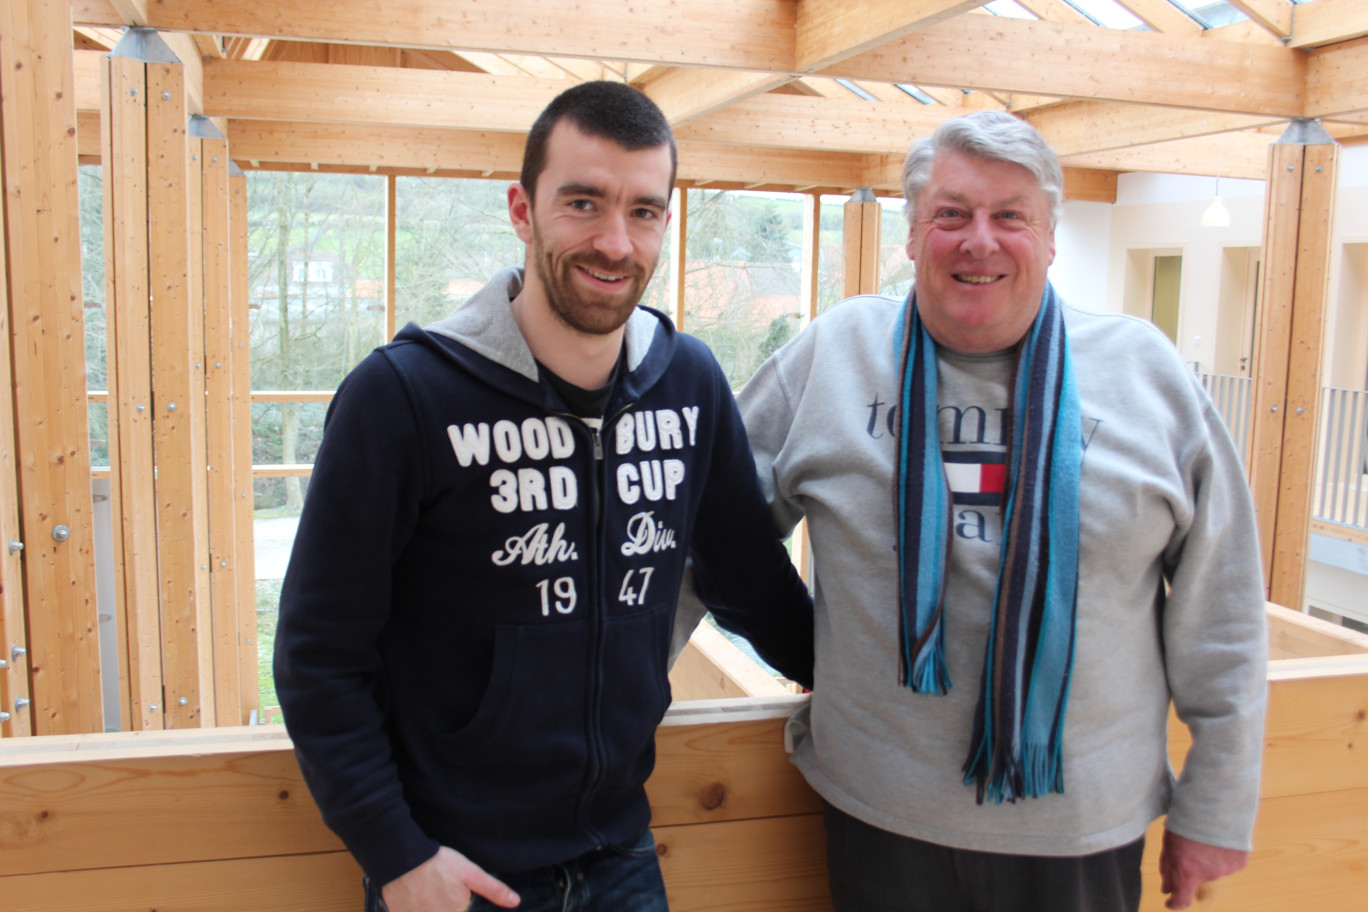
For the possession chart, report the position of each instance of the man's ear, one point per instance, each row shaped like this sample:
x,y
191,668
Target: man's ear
x,y
520,212
911,247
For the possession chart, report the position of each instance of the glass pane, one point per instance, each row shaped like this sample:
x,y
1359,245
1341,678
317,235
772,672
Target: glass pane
x,y
831,252
451,236
1108,13
316,253
895,269
743,277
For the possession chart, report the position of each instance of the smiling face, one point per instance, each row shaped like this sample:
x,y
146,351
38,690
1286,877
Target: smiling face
x,y
595,228
982,243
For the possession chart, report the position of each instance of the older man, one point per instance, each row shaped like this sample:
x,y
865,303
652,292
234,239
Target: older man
x,y
1030,532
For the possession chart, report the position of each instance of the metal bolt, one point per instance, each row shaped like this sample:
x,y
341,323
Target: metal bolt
x,y
133,91
218,364
223,563
249,639
166,96
15,546
17,653
182,701
142,408
4,717
4,664
1300,410
20,703
60,533
1272,408
170,406
153,707
1318,169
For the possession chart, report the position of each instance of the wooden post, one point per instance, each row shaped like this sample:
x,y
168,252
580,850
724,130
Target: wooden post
x,y
243,500
1298,217
47,363
157,294
391,231
212,153
862,222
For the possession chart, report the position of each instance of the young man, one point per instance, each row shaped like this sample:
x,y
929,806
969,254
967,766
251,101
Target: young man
x,y
474,627
1030,533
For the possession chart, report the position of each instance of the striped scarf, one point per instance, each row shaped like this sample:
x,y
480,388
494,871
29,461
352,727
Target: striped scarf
x,y
1016,750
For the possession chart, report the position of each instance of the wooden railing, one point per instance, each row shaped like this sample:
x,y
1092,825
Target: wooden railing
x,y
219,819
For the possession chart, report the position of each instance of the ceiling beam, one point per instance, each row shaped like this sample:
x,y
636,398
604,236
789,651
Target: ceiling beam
x,y
1085,62
829,31
1273,16
1337,79
686,94
315,92
1163,16
1087,126
1241,155
800,121
1328,22
1054,11
736,34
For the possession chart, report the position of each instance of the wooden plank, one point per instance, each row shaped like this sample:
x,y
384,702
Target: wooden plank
x,y
1282,198
827,33
43,259
802,121
14,675
1089,185
314,92
1310,852
404,147
1337,79
1296,485
679,253
129,367
1087,126
860,243
1274,16
1328,22
711,666
221,483
186,662
1293,634
738,34
296,883
993,53
1162,16
243,500
1242,155
685,95
1340,531
775,864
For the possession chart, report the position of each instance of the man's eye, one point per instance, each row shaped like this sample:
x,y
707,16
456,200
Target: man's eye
x,y
644,213
1009,215
950,213
583,204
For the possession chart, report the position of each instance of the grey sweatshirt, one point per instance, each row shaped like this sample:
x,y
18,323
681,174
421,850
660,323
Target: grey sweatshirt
x,y
1163,503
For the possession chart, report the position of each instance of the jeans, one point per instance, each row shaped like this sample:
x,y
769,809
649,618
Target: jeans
x,y
872,870
615,878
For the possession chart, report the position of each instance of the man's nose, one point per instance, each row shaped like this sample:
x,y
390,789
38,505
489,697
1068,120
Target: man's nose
x,y
979,239
613,240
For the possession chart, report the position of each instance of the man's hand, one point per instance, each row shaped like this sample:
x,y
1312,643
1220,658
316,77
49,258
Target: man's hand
x,y
1185,865
445,883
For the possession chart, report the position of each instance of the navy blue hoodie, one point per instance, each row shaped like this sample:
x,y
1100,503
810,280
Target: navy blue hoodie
x,y
474,627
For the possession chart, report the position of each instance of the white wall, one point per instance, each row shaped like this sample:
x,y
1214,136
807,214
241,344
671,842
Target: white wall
x,y
1079,272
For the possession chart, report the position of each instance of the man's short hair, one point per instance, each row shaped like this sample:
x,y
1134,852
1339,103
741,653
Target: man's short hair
x,y
992,135
611,110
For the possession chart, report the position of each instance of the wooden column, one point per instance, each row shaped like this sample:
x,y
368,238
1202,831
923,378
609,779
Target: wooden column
x,y
210,147
862,222
156,294
50,448
679,233
1298,218
243,499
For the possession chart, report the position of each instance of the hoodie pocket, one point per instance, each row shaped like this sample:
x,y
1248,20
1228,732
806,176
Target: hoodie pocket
x,y
526,743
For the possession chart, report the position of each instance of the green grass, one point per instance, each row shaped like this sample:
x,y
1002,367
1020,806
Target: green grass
x,y
268,604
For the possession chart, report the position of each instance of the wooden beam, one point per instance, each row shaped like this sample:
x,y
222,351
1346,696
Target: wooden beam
x,y
797,121
1242,155
1089,185
1163,16
243,500
685,95
1328,22
1273,16
132,12
1076,61
1081,127
1337,79
860,242
402,147
828,32
310,92
38,148
736,34
132,486
1055,11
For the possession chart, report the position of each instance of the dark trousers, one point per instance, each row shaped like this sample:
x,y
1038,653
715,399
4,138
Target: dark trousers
x,y
873,870
615,878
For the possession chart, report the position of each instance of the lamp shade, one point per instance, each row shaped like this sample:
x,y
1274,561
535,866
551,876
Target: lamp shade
x,y
1216,215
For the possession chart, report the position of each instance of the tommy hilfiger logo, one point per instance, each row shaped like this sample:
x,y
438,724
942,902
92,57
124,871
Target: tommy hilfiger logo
x,y
975,478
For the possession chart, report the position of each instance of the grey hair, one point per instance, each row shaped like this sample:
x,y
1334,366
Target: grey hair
x,y
992,135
